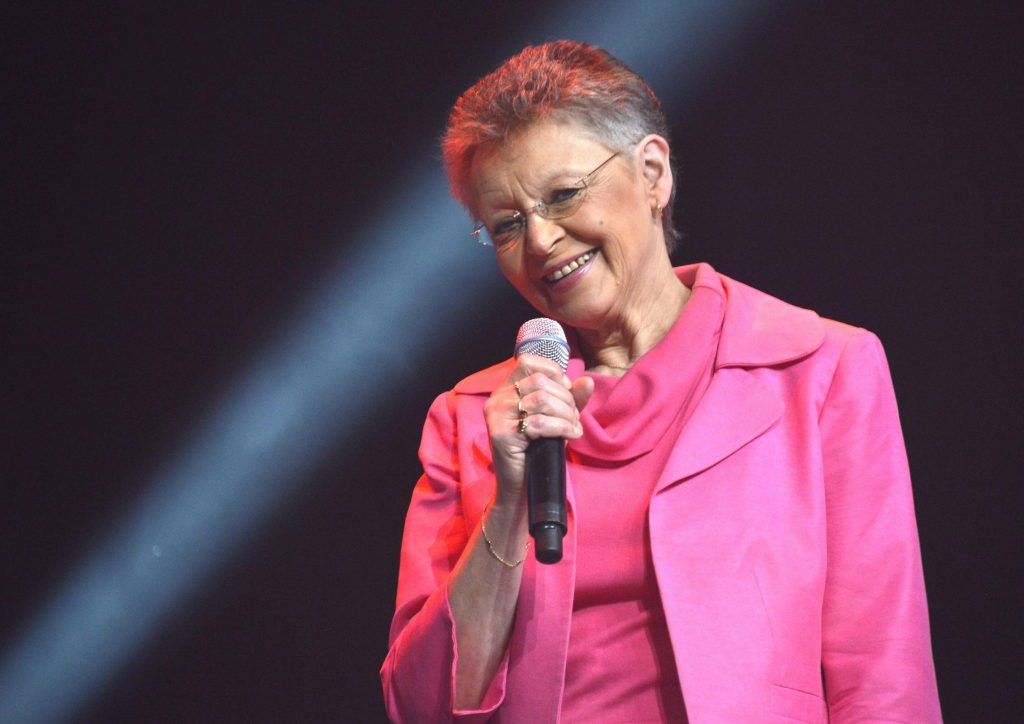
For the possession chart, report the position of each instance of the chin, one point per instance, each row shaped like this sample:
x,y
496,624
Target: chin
x,y
577,317
582,311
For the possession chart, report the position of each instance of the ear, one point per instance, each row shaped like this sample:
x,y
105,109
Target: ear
x,y
657,170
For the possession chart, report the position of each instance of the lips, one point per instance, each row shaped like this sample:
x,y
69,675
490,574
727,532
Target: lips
x,y
569,268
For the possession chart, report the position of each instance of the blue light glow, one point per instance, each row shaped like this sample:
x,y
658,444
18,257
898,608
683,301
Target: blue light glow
x,y
306,392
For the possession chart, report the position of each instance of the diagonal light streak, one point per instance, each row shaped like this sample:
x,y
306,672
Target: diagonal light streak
x,y
347,350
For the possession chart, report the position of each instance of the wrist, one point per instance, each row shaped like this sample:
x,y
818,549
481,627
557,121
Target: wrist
x,y
510,508
499,552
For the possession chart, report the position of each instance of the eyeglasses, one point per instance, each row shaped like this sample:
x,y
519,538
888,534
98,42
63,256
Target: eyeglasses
x,y
561,203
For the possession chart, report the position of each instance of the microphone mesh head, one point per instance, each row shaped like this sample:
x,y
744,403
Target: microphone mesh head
x,y
544,338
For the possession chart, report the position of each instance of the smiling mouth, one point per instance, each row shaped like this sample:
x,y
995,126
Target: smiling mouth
x,y
571,266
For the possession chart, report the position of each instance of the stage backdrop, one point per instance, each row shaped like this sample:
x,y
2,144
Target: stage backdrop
x,y
233,285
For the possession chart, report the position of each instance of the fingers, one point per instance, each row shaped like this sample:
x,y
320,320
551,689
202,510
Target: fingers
x,y
537,400
582,389
544,397
545,403
532,367
539,412
537,425
556,407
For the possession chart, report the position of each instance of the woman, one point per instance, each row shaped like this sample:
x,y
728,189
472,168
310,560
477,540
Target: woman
x,y
741,542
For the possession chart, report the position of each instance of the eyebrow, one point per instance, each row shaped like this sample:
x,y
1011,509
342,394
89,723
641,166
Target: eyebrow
x,y
547,181
551,177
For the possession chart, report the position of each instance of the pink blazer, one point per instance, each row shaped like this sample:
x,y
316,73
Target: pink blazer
x,y
782,533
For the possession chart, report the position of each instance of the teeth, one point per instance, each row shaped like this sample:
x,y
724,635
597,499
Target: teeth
x,y
571,266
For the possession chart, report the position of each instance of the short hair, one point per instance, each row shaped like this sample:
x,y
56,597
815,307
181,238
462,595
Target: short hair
x,y
565,81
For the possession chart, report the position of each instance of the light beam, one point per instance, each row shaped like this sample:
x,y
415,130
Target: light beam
x,y
362,326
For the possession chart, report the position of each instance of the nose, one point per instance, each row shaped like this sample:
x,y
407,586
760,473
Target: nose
x,y
540,234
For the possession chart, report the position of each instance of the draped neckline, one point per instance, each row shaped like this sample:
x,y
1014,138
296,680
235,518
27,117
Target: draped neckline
x,y
627,416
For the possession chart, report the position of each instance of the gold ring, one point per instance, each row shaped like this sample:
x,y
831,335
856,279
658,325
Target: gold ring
x,y
518,391
523,424
519,406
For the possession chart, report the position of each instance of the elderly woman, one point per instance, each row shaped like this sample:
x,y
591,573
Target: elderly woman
x,y
741,542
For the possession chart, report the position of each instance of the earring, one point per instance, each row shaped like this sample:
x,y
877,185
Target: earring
x,y
656,211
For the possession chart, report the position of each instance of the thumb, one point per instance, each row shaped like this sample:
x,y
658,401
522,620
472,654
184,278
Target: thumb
x,y
582,389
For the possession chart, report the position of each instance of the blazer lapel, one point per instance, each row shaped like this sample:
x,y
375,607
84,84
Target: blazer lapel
x,y
708,589
735,409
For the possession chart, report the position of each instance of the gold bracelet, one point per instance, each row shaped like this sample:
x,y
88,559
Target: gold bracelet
x,y
490,546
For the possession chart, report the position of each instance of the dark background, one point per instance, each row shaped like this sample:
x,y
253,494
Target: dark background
x,y
177,178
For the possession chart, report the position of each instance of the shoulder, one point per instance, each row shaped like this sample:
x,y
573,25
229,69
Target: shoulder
x,y
454,431
762,330
798,350
486,380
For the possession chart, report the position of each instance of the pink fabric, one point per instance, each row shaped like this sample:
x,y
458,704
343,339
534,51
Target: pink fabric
x,y
620,665
782,535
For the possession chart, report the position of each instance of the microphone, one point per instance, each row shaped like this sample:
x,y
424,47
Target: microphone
x,y
545,457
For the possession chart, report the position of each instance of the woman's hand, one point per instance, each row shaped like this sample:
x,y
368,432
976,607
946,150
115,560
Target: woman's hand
x,y
537,400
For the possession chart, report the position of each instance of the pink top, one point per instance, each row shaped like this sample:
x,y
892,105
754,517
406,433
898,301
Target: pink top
x,y
620,665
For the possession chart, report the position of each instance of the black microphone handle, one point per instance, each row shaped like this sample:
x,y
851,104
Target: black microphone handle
x,y
545,491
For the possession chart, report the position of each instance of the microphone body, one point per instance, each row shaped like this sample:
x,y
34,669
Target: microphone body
x,y
545,457
545,493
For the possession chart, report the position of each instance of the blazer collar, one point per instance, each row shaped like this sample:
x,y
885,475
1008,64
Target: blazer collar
x,y
759,330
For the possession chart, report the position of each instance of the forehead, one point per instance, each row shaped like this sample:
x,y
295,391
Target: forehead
x,y
534,157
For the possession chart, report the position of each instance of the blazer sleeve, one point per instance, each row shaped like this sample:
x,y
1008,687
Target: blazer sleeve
x,y
876,649
418,674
